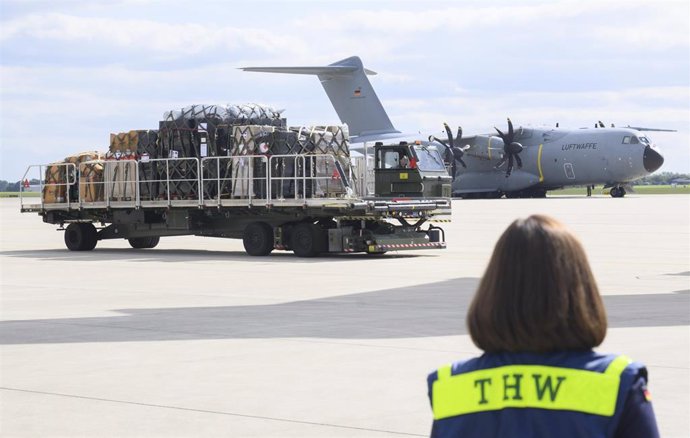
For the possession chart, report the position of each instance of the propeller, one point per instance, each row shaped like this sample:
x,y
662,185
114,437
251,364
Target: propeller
x,y
511,149
453,154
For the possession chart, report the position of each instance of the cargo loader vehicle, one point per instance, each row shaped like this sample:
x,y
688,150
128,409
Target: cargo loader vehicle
x,y
239,172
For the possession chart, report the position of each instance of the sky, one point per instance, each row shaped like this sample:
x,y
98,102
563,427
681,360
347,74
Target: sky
x,y
72,72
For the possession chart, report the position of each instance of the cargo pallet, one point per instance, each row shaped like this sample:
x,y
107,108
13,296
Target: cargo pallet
x,y
314,209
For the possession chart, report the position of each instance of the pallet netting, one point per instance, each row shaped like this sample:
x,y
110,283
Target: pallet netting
x,y
147,143
149,175
124,142
252,139
249,174
205,130
327,140
184,179
55,188
91,182
217,177
77,159
137,141
120,177
331,140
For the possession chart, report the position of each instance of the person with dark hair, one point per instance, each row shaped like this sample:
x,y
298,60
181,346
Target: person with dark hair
x,y
537,315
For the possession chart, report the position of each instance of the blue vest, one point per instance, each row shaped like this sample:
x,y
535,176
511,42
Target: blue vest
x,y
563,395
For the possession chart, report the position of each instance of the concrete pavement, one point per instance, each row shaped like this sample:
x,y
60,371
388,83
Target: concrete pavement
x,y
194,338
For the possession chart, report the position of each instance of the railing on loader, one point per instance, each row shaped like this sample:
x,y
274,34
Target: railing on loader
x,y
235,181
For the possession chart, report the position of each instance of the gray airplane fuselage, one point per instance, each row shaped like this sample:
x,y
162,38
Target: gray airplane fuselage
x,y
558,157
551,158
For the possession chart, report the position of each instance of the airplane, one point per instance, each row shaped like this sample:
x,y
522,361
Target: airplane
x,y
522,162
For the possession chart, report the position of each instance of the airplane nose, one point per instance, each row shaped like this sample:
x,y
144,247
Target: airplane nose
x,y
651,159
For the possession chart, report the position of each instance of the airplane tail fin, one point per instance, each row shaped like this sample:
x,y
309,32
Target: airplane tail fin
x,y
350,92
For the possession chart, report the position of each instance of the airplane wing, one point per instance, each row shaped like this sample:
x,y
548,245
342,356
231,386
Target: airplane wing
x,y
637,128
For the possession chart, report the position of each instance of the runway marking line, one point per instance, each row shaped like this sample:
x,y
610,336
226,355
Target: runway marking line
x,y
206,411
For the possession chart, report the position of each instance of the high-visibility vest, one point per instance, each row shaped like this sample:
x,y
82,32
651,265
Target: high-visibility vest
x,y
566,394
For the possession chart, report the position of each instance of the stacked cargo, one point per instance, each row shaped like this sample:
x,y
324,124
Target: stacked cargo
x,y
245,141
63,183
200,131
331,176
55,184
323,162
121,168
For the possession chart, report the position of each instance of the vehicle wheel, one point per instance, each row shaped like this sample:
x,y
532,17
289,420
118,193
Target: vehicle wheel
x,y
617,192
258,239
81,236
308,240
144,242
375,253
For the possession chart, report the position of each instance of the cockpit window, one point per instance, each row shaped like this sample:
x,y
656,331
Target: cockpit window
x,y
626,139
429,159
634,140
644,140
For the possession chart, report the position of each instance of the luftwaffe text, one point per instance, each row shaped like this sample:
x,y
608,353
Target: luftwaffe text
x,y
578,146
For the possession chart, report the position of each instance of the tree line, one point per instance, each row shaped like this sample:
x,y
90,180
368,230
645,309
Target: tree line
x,y
6,186
661,178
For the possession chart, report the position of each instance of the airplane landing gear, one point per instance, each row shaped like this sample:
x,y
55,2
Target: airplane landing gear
x,y
617,192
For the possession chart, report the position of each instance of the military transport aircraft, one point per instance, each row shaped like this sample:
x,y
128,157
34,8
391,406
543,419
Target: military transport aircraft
x,y
522,162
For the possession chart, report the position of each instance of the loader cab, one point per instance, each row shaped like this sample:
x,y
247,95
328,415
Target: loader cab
x,y
410,170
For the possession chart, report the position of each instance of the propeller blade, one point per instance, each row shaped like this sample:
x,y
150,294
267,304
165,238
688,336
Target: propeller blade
x,y
462,162
519,161
432,138
458,136
510,165
510,130
457,153
450,134
499,132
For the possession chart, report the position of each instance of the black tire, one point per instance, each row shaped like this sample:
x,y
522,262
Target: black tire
x,y
617,192
376,253
308,240
258,239
81,236
144,242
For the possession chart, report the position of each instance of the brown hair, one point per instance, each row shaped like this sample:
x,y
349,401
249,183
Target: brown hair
x,y
538,293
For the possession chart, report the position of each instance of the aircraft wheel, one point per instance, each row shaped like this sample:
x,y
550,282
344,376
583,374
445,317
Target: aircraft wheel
x,y
308,240
617,192
144,242
258,239
81,236
375,253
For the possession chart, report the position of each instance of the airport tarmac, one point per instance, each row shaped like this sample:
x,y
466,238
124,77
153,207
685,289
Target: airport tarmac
x,y
194,338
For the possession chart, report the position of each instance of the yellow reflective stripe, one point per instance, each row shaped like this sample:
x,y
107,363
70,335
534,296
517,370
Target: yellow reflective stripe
x,y
617,365
444,372
541,174
527,386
